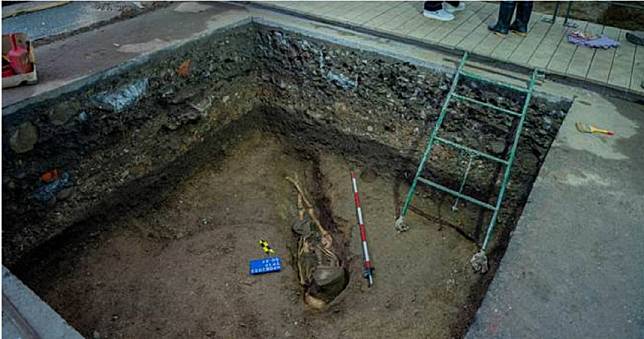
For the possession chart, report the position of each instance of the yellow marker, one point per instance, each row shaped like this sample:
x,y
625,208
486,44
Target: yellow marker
x,y
266,247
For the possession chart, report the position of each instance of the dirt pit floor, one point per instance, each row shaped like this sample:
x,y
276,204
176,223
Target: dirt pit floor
x,y
180,269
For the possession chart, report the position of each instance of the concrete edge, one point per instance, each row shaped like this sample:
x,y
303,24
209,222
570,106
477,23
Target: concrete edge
x,y
25,315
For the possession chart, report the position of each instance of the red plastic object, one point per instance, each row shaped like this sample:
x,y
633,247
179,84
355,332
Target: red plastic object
x,y
7,71
49,176
19,57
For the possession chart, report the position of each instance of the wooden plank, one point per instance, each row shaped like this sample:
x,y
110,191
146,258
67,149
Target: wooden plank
x,y
562,56
529,45
407,13
480,33
375,11
307,6
338,9
392,15
474,22
351,14
583,57
620,72
446,27
488,44
411,25
637,76
426,26
511,42
543,54
286,4
603,59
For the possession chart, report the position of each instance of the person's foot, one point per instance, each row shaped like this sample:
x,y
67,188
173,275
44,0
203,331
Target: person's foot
x,y
440,14
518,29
451,9
498,30
636,37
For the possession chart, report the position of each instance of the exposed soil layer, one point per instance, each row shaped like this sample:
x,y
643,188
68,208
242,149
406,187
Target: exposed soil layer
x,y
601,12
169,192
179,268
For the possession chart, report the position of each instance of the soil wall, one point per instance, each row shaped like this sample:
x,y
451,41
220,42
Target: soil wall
x,y
131,137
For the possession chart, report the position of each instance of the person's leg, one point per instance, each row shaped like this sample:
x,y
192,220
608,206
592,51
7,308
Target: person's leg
x,y
434,10
433,6
506,9
520,24
453,6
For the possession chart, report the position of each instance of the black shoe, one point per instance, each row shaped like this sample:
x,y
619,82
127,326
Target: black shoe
x,y
498,29
519,29
635,37
520,24
506,9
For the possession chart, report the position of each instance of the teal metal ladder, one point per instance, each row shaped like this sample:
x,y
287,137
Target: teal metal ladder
x,y
434,138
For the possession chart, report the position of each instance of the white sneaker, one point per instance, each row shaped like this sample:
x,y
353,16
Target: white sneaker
x,y
452,9
440,14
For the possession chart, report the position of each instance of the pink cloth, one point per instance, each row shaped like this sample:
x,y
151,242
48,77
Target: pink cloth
x,y
590,40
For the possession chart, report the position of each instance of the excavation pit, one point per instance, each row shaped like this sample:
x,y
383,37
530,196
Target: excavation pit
x,y
177,168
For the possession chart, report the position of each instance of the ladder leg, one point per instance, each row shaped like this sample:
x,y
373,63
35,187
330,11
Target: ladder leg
x,y
400,222
506,175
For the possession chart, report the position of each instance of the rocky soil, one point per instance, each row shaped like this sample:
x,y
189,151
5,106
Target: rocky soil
x,y
127,142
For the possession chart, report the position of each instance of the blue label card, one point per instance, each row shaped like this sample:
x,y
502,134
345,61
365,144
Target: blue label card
x,y
265,265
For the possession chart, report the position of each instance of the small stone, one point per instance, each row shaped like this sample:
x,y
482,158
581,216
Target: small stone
x,y
64,193
83,116
115,317
496,147
202,105
63,112
225,99
24,138
370,128
183,95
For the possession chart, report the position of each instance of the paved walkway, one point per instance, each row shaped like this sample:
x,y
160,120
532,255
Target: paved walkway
x,y
575,265
63,18
545,47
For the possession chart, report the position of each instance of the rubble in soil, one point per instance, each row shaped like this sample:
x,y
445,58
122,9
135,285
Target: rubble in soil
x,y
133,136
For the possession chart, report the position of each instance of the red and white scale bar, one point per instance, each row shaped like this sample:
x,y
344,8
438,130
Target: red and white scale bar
x,y
363,231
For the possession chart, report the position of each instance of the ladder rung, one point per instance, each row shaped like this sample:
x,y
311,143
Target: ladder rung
x,y
471,150
485,104
452,192
497,83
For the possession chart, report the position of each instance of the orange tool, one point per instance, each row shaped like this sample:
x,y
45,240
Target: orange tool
x,y
584,128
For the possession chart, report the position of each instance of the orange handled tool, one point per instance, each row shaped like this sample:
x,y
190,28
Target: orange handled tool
x,y
581,127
